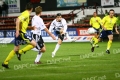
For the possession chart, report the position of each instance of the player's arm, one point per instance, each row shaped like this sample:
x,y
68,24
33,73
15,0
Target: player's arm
x,y
54,38
51,27
49,32
47,24
90,22
116,29
103,21
17,27
20,19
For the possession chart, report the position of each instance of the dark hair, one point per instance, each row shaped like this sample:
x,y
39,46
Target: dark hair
x,y
38,10
58,14
29,6
111,10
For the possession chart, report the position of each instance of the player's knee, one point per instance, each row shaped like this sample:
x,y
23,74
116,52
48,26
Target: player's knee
x,y
43,50
16,48
59,42
111,38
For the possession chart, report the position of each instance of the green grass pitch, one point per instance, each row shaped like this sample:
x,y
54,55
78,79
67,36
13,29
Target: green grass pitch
x,y
73,61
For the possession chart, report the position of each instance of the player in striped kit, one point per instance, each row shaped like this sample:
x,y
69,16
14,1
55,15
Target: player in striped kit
x,y
59,25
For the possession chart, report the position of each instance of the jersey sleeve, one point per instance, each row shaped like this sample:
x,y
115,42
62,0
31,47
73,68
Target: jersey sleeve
x,y
51,26
22,17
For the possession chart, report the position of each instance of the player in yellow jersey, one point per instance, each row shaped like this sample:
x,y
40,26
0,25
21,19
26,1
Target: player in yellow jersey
x,y
95,23
20,35
108,23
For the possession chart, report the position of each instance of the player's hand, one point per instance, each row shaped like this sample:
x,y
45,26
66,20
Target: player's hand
x,y
17,33
53,37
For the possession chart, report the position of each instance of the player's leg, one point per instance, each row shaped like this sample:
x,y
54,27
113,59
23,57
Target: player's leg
x,y
95,40
31,44
9,57
109,43
40,47
57,47
60,39
39,55
17,43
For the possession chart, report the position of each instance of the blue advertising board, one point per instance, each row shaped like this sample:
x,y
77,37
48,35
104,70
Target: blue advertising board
x,y
71,3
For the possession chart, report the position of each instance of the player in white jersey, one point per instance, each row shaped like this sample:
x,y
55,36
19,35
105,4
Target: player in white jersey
x,y
36,34
59,25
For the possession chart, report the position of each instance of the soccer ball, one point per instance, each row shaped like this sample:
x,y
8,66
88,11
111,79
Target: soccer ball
x,y
91,30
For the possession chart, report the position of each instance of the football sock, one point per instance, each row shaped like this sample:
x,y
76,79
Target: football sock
x,y
11,54
95,41
39,55
109,44
56,48
27,48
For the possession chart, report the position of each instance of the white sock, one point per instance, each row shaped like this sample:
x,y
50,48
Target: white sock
x,y
56,48
39,55
68,37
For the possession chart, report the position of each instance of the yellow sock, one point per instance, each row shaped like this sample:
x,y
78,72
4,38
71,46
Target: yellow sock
x,y
11,54
109,44
27,48
95,41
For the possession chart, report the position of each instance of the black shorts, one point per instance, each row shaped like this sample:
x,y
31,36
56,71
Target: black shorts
x,y
38,39
22,39
61,36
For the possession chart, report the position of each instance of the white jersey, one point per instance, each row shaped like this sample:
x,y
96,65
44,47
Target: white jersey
x,y
57,25
39,24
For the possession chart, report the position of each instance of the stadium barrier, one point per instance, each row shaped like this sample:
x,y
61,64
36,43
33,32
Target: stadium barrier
x,y
7,36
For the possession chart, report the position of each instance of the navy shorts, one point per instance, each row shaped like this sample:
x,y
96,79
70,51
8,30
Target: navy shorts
x,y
22,39
105,33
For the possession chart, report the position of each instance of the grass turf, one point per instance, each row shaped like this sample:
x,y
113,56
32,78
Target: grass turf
x,y
73,61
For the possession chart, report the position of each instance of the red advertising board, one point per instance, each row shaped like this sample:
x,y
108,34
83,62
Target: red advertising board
x,y
83,32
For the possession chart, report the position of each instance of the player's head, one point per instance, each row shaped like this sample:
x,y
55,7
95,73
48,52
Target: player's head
x,y
38,10
111,12
29,7
94,14
58,17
